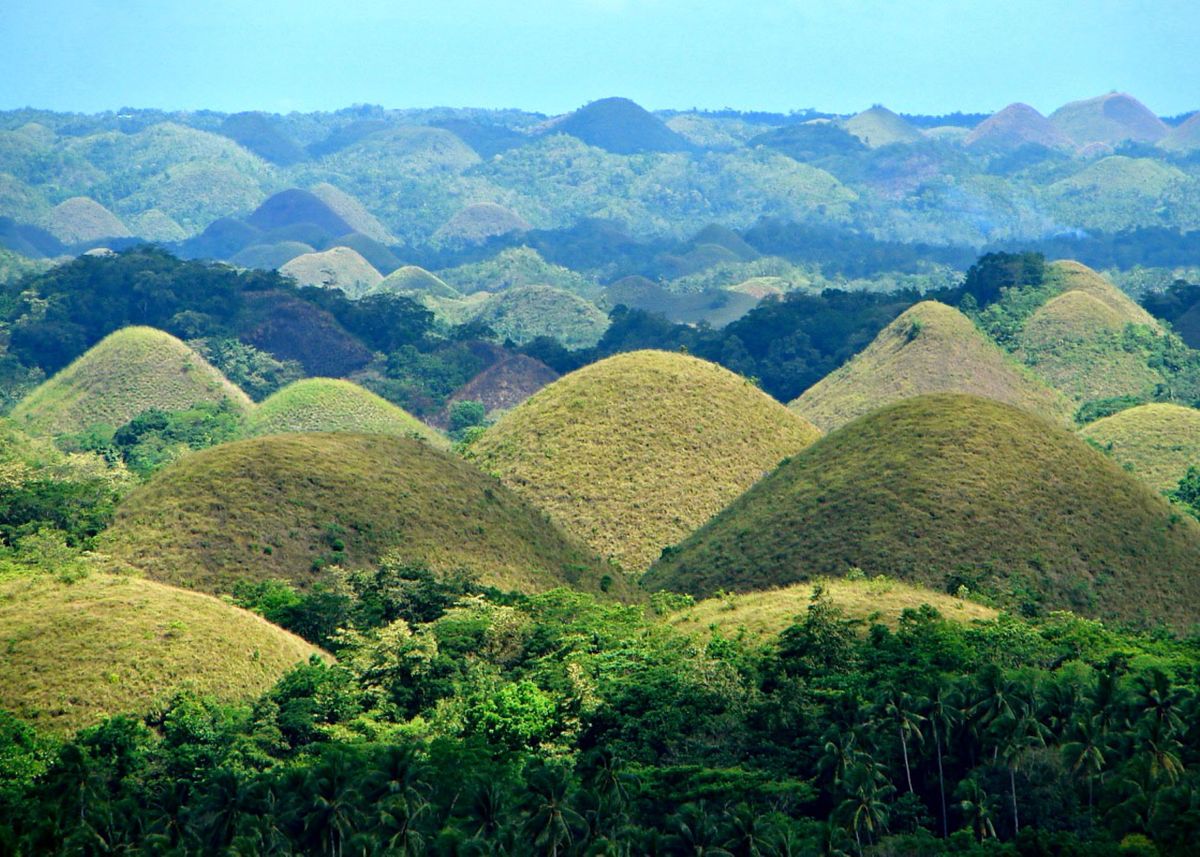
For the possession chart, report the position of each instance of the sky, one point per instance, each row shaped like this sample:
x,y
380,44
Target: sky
x,y
552,56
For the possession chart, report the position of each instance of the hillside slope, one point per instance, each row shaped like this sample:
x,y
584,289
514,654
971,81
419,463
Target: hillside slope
x,y
634,452
1158,442
948,491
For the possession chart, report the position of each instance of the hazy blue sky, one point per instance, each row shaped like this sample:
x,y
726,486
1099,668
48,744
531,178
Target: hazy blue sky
x,y
553,55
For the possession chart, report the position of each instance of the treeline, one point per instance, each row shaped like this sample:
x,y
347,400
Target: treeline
x,y
556,724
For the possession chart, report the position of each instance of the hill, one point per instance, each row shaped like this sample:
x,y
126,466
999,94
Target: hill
x,y
329,405
414,279
1120,192
478,222
155,225
75,653
505,384
80,220
635,451
1112,118
930,348
762,615
294,329
1157,442
622,127
1185,137
524,313
948,491
127,372
284,506
261,134
268,257
352,212
879,126
295,207
1015,126
336,268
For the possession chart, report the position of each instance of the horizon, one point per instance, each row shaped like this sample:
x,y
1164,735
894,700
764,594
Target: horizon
x,y
552,56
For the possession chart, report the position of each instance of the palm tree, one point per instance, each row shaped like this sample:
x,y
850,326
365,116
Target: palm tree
x,y
1159,703
1086,753
335,801
944,715
866,807
979,808
1019,734
900,708
552,822
693,831
748,831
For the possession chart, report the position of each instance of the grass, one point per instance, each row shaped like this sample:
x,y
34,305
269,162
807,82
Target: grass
x,y
127,372
524,313
80,219
634,452
879,126
1157,442
1110,118
930,348
75,653
1184,137
1120,192
411,278
620,126
477,223
353,212
329,405
762,615
336,268
1015,126
506,384
284,506
951,490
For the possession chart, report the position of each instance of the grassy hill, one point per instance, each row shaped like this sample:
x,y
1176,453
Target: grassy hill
x,y
1185,137
155,225
762,615
262,135
293,329
268,257
622,127
930,348
527,312
1157,442
635,451
336,268
505,384
1015,126
879,126
294,207
326,404
411,278
75,653
80,220
1111,118
947,491
127,372
478,222
286,505
1120,192
352,212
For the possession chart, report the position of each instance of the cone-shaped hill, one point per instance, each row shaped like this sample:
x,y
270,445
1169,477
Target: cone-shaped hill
x,y
328,404
505,384
634,452
951,490
127,372
336,268
111,644
295,207
1184,137
524,313
1015,126
930,348
1073,341
416,280
285,505
353,212
1156,442
879,126
620,126
1111,118
480,221
80,220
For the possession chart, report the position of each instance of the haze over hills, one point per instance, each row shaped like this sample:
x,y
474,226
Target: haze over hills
x,y
1015,126
1111,118
631,453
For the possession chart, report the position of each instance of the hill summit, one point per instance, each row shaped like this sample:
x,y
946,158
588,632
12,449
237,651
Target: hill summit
x,y
1112,118
1015,126
635,451
948,491
1157,442
879,126
930,348
622,127
127,372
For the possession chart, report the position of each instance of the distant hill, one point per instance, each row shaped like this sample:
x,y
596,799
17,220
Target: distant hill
x,y
1185,137
810,141
221,239
504,385
1157,442
480,221
81,220
329,405
352,212
76,653
283,506
155,225
295,207
635,451
377,255
1015,126
879,126
723,236
293,329
948,491
524,313
1112,118
1120,192
268,257
930,348
127,372
336,268
414,279
620,126
485,138
715,307
261,134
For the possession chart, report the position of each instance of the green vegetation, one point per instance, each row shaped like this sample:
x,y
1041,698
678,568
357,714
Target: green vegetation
x,y
416,280
930,348
879,126
524,313
286,506
1111,118
632,453
1156,442
130,371
337,268
478,222
353,213
79,651
329,405
80,220
621,126
1015,126
518,266
949,491
504,385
